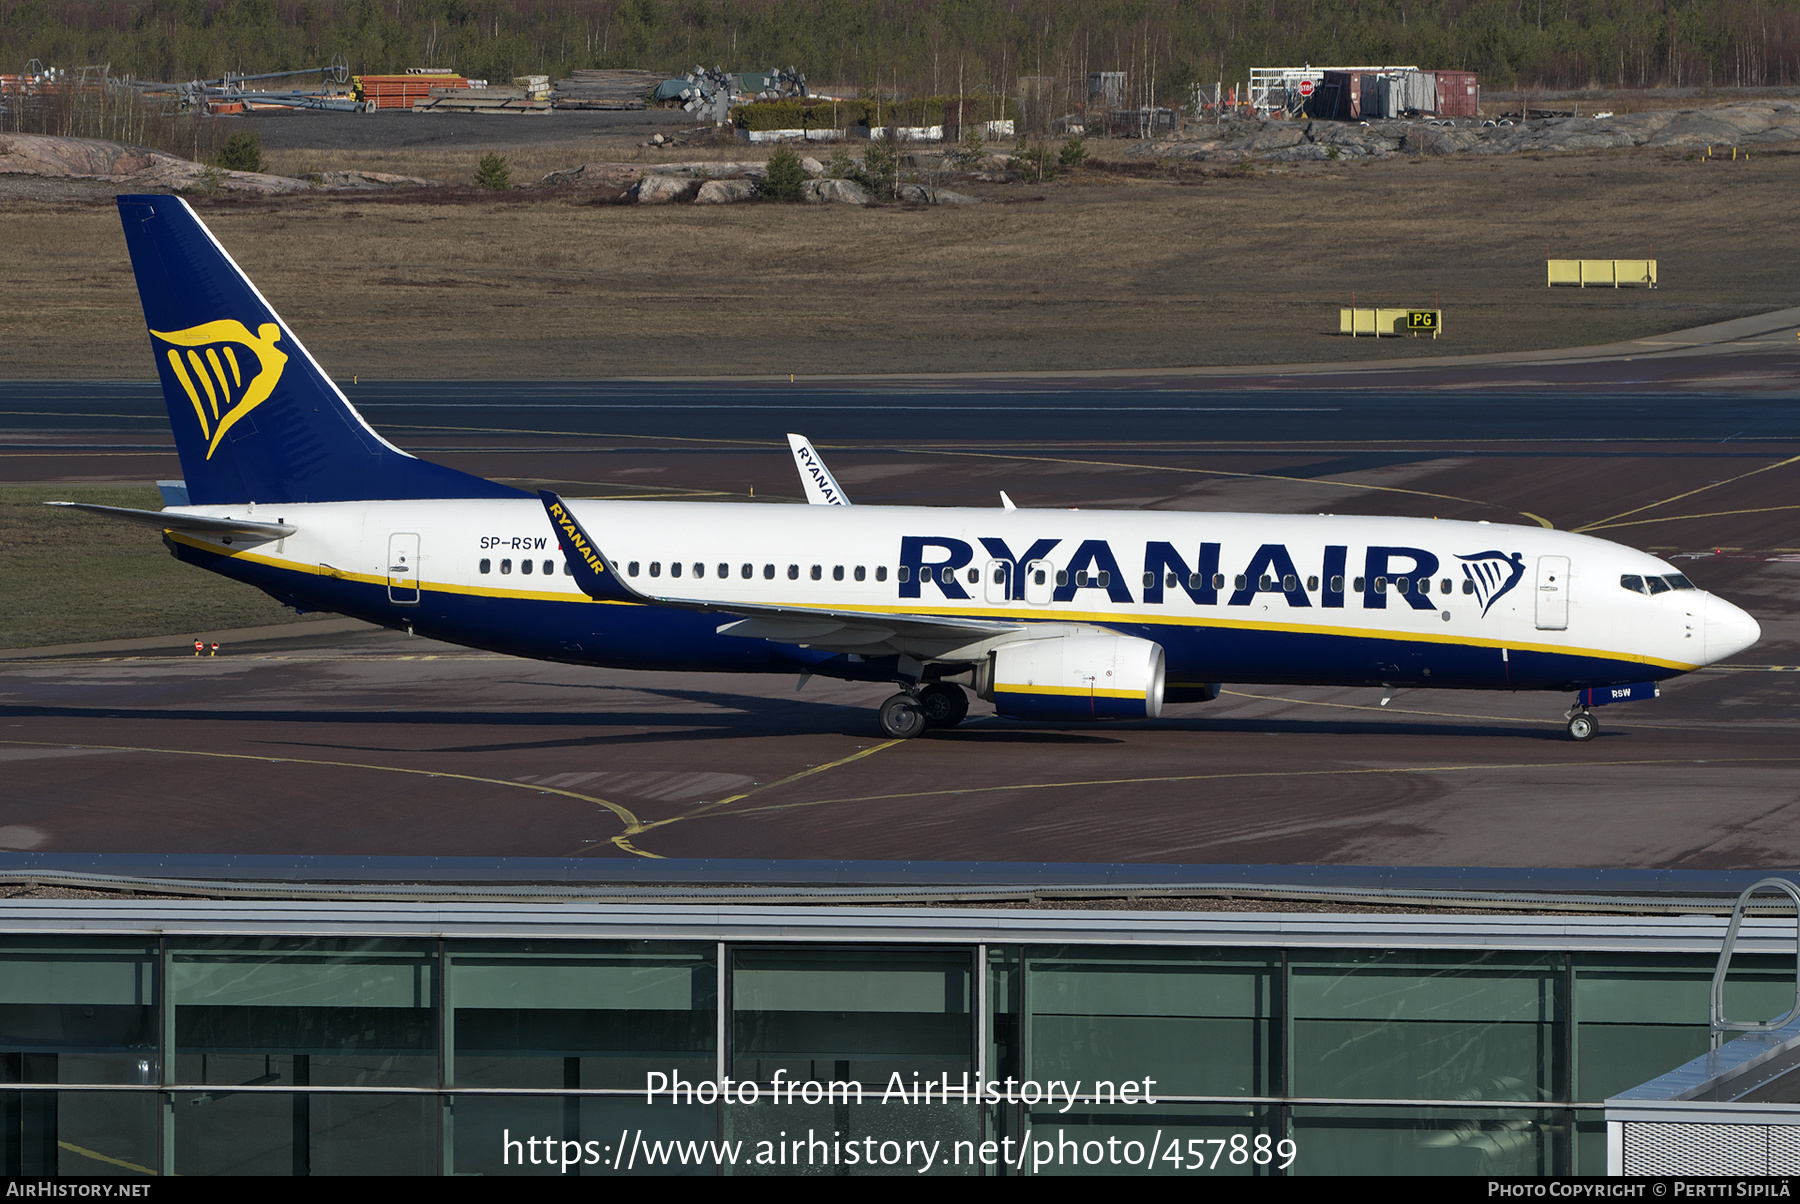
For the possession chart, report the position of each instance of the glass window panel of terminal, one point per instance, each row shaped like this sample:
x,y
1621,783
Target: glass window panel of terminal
x,y
80,1133
486,1128
1372,1140
77,1011
858,1015
554,1014
1638,1018
1403,1024
1197,1021
280,1011
297,1133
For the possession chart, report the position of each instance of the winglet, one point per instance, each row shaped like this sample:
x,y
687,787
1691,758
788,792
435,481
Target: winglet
x,y
821,487
587,564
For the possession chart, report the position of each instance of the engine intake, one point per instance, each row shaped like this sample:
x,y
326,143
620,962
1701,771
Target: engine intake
x,y
1076,677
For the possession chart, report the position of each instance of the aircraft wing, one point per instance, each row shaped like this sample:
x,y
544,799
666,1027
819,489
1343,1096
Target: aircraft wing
x,y
821,487
856,631
169,520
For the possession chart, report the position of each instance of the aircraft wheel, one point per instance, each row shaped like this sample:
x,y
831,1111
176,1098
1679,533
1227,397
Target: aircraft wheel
x,y
901,718
943,705
1583,727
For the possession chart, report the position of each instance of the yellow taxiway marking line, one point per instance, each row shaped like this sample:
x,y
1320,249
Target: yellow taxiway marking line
x,y
636,828
624,814
1273,773
1393,710
1675,518
1539,519
1611,520
99,1157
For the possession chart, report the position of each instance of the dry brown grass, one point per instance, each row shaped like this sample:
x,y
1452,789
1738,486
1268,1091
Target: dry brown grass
x,y
1098,270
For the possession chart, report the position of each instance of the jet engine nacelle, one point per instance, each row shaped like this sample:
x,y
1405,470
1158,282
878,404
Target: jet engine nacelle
x,y
1094,676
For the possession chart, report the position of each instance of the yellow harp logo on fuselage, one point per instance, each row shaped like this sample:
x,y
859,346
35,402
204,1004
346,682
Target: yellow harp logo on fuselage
x,y
222,385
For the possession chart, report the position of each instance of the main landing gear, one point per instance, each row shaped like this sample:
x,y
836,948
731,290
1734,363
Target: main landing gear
x,y
910,712
1582,724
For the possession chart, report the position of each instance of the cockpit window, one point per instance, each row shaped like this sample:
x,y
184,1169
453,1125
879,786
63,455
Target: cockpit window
x,y
1632,582
1677,581
1657,585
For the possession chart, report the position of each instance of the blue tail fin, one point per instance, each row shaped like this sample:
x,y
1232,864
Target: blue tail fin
x,y
255,418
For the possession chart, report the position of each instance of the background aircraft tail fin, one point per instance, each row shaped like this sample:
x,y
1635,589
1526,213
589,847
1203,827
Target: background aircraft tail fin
x,y
255,418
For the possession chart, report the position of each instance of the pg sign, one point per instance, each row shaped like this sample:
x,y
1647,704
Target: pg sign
x,y
1422,320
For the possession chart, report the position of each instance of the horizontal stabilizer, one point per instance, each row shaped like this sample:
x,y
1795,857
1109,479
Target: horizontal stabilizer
x,y
199,524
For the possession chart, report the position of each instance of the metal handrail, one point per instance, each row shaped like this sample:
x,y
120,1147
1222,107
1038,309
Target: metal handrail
x,y
1719,1024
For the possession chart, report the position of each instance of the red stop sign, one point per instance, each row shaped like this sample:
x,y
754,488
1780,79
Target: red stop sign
x,y
1306,87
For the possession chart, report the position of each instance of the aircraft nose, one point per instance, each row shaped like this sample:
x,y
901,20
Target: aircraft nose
x,y
1728,630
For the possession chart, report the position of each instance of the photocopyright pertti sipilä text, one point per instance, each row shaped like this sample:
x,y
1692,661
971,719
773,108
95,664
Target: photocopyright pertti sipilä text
x,y
1035,1149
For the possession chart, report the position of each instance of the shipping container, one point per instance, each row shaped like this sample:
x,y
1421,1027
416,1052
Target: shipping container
x,y
1458,94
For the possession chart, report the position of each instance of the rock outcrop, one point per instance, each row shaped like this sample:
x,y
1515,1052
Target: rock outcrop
x,y
55,157
1743,124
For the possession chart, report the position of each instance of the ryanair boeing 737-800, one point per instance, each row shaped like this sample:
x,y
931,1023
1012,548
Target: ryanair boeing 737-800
x,y
1052,615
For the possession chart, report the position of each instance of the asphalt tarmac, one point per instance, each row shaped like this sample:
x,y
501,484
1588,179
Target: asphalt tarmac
x,y
373,743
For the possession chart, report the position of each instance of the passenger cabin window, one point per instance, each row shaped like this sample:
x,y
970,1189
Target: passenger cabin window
x,y
1194,580
568,569
974,576
656,568
1289,583
1633,582
1381,585
1062,576
1040,576
1468,586
1238,583
768,572
881,573
525,566
632,568
506,566
1149,580
749,571
793,572
1105,578
1444,586
487,566
699,570
817,572
861,573
1265,583
725,571
674,569
837,573
1080,578
1312,583
1337,585
901,575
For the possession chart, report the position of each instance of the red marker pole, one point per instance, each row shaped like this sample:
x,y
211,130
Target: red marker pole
x,y
215,648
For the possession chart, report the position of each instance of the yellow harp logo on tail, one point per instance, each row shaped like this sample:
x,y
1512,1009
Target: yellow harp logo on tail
x,y
212,362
